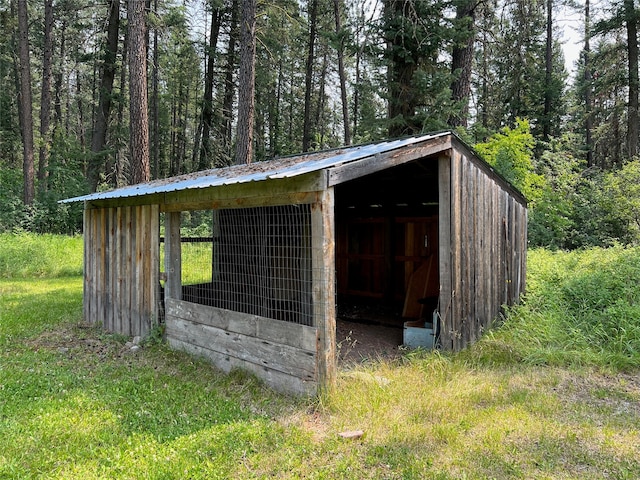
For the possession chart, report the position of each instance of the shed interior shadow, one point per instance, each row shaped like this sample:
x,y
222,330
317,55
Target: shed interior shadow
x,y
386,241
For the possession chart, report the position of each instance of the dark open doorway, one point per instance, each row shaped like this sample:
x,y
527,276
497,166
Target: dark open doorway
x,y
386,256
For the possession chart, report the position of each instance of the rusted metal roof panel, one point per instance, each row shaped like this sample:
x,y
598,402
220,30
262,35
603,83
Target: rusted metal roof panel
x,y
285,167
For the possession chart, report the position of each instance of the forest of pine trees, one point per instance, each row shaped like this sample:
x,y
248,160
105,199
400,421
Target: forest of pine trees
x,y
95,95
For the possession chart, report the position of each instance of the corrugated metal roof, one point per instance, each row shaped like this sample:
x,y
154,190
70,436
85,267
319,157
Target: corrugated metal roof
x,y
279,168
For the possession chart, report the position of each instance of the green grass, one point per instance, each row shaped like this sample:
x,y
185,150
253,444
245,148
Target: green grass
x,y
29,256
582,309
76,403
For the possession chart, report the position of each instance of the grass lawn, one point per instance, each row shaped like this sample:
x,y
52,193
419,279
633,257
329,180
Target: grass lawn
x,y
78,403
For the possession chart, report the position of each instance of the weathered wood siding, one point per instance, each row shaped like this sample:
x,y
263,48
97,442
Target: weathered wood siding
x,y
483,246
121,268
324,280
283,354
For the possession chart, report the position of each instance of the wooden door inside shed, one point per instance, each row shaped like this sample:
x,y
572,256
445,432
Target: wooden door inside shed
x,y
416,265
381,257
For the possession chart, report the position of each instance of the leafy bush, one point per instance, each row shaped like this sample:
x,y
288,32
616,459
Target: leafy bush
x,y
622,196
580,207
510,152
65,179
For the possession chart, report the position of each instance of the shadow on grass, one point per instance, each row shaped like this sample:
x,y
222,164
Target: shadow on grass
x,y
75,400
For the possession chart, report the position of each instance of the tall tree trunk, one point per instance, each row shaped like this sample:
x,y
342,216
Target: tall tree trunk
x,y
138,104
246,82
259,144
275,114
120,165
588,101
229,88
484,106
341,73
80,106
322,81
462,62
57,84
548,66
634,82
308,80
206,116
174,161
403,65
155,105
292,97
45,99
99,137
25,104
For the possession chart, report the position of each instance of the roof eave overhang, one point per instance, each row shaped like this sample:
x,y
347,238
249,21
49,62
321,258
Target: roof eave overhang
x,y
381,161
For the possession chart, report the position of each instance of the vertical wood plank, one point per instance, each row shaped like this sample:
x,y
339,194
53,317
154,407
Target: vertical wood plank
x,y
95,253
323,266
100,274
154,258
145,272
172,256
497,258
456,260
87,269
515,280
444,250
463,243
117,267
127,261
471,253
95,261
136,268
109,287
478,319
513,254
487,276
504,209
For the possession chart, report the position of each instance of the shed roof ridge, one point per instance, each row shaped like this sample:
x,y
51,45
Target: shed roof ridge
x,y
275,168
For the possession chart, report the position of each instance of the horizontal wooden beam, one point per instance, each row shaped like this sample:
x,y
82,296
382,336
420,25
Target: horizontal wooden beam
x,y
282,191
296,190
369,165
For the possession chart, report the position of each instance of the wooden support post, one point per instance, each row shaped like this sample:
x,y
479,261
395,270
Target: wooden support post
x,y
324,303
445,250
172,256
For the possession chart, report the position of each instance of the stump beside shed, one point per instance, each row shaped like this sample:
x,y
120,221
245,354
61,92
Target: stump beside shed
x,y
291,237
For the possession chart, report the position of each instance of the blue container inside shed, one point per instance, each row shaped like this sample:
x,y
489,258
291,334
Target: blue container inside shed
x,y
420,333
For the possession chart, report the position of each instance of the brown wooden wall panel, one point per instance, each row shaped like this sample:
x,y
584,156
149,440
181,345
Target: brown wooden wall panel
x,y
121,273
280,353
484,265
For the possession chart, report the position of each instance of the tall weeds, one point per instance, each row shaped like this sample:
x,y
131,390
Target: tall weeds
x,y
581,308
26,255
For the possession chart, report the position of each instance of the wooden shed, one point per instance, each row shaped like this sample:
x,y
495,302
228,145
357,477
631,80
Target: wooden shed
x,y
418,224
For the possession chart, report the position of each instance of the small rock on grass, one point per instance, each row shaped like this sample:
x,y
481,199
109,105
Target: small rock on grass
x,y
351,434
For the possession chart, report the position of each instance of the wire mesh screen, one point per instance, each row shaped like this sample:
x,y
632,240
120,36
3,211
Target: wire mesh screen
x,y
255,261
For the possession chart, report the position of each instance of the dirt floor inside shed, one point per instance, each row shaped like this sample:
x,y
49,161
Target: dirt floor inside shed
x,y
359,342
366,332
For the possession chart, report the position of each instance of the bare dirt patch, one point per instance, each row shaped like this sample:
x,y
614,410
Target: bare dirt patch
x,y
82,339
361,342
